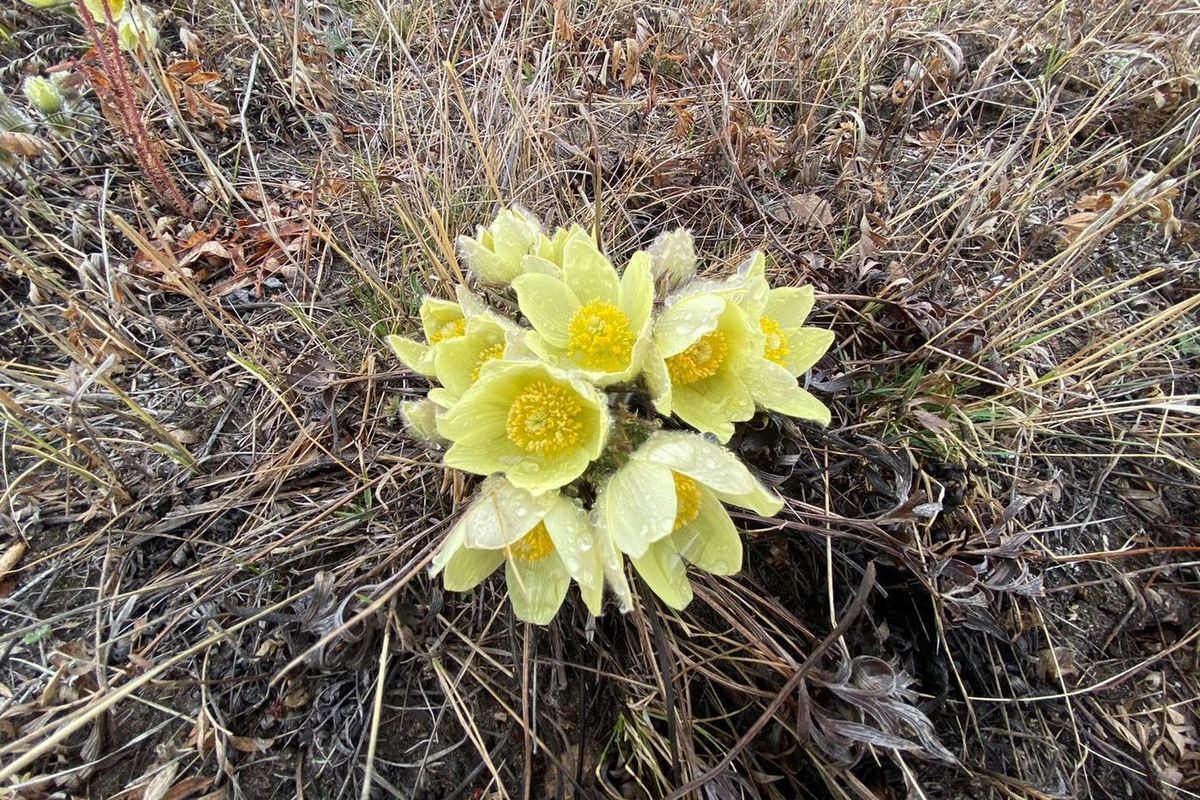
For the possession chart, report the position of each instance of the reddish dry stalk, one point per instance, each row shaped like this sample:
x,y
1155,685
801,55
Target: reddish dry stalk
x,y
121,97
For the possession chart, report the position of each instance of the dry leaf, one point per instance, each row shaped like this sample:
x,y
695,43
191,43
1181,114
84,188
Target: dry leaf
x,y
23,144
160,784
250,744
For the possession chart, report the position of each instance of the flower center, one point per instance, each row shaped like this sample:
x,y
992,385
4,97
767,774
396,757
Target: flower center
x,y
544,419
700,361
777,348
533,546
599,337
687,500
449,330
485,355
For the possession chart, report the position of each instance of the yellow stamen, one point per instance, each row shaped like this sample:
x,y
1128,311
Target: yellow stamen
x,y
777,348
687,500
485,355
700,361
533,546
599,337
449,330
544,419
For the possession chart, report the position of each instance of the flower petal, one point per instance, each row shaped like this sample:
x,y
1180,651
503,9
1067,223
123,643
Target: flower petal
x,y
483,415
548,304
754,290
575,540
789,305
682,323
537,265
537,588
658,379
501,514
456,361
638,504
589,275
514,232
775,388
467,568
481,455
486,266
637,291
663,570
805,348
713,405
412,354
613,566
699,459
711,542
436,312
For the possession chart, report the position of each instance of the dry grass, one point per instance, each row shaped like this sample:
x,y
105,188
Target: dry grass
x,y
215,534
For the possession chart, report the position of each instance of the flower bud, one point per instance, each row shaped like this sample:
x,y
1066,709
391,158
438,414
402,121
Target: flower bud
x,y
673,258
43,94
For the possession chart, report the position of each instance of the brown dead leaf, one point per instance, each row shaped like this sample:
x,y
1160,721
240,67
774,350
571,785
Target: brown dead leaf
x,y
158,786
807,210
1076,224
25,145
188,787
250,744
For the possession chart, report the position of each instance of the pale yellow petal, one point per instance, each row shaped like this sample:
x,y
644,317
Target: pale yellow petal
x,y
536,588
698,458
420,418
663,570
575,540
486,266
658,379
713,405
537,265
549,306
805,348
711,542
435,314
637,291
514,233
681,324
774,388
613,565
789,305
412,354
502,514
588,274
638,504
467,568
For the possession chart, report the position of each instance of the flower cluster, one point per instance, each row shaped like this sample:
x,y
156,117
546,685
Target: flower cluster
x,y
576,477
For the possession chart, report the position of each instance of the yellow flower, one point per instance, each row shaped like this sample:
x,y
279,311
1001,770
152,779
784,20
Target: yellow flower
x,y
495,253
789,347
703,346
458,361
539,426
543,541
664,508
589,319
441,321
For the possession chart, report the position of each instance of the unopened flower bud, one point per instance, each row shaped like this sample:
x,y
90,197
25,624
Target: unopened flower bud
x,y
43,94
673,258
